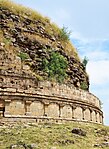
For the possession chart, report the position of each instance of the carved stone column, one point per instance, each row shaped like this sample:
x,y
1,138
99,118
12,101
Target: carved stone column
x,y
27,108
7,107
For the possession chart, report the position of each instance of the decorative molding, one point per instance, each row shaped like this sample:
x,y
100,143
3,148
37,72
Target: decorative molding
x,y
65,99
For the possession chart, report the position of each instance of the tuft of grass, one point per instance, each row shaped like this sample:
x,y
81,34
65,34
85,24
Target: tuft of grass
x,y
23,56
38,77
84,86
20,10
61,35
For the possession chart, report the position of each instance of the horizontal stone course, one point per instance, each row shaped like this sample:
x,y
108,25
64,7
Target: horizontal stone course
x,y
24,98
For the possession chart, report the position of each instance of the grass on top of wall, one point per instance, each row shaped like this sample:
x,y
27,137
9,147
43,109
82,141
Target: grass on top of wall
x,y
62,34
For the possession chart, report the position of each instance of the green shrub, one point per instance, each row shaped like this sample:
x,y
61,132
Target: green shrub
x,y
85,61
55,67
65,34
23,56
84,86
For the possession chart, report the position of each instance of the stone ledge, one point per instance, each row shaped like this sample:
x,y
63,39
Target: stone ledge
x,y
42,119
42,98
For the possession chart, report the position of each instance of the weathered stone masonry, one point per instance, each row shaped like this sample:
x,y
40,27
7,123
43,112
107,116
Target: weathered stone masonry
x,y
24,98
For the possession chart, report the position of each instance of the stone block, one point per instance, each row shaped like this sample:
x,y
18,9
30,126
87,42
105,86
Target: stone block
x,y
26,67
10,89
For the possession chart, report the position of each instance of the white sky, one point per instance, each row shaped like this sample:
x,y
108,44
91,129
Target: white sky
x,y
89,22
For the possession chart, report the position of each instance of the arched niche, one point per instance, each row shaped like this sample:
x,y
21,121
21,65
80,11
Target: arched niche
x,y
78,113
37,108
87,115
17,107
53,110
66,111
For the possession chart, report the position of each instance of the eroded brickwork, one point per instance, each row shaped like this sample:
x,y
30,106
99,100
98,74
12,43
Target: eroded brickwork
x,y
23,97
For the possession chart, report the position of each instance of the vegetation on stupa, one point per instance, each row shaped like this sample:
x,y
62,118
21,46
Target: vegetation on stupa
x,y
36,40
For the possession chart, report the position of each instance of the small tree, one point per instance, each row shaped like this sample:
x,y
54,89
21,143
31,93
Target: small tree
x,y
65,34
85,61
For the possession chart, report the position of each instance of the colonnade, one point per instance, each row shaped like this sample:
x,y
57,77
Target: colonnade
x,y
50,109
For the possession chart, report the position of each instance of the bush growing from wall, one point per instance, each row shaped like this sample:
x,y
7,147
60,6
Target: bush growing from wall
x,y
85,61
56,67
23,56
84,86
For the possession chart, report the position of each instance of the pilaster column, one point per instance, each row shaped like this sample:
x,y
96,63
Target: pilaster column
x,y
101,118
60,110
73,111
7,108
46,108
83,112
90,114
1,113
27,108
96,116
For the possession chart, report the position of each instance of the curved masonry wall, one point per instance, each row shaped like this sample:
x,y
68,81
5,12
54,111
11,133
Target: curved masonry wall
x,y
24,98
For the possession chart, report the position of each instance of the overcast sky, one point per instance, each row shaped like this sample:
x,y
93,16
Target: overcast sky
x,y
89,22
